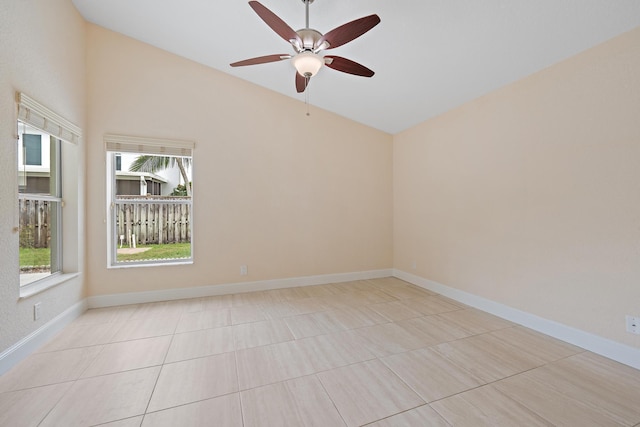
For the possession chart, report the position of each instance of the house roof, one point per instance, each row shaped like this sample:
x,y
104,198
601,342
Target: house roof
x,y
126,175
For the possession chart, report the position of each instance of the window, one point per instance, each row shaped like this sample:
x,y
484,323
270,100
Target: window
x,y
44,139
150,193
40,207
32,149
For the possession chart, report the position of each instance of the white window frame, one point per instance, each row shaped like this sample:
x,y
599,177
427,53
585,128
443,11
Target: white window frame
x,y
116,144
38,116
55,197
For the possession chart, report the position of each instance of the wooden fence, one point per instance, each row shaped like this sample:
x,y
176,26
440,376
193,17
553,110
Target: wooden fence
x,y
35,217
153,219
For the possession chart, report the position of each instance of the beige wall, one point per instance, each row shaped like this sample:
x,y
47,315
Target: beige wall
x,y
286,194
530,195
42,53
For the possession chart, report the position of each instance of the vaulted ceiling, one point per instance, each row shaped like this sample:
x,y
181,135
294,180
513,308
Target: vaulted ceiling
x,y
429,55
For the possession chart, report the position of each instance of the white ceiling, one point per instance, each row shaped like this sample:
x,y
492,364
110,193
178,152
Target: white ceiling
x,y
429,55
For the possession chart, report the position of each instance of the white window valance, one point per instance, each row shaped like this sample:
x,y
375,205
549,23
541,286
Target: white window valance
x,y
136,144
37,115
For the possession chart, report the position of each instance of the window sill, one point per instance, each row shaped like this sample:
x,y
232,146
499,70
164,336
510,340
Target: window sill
x,y
150,264
42,285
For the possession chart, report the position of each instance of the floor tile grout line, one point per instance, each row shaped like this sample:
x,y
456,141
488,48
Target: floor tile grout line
x,y
491,383
86,378
400,413
35,386
426,402
235,354
441,415
561,392
290,330
180,405
118,420
102,344
330,398
310,374
57,402
545,362
73,382
79,377
155,384
524,405
403,382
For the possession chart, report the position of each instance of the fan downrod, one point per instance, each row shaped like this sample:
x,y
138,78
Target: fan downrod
x,y
306,7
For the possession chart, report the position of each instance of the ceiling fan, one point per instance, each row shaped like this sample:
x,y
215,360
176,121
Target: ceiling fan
x,y
308,43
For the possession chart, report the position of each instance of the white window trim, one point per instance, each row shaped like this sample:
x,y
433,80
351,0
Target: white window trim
x,y
137,144
40,117
37,115
114,143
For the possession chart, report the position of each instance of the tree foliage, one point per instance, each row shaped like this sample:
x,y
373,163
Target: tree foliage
x,y
153,164
180,190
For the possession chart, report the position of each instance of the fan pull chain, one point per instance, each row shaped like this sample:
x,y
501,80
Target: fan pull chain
x,y
306,93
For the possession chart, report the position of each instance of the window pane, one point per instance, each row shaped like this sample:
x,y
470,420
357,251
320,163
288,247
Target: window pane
x,y
38,239
151,218
33,149
40,204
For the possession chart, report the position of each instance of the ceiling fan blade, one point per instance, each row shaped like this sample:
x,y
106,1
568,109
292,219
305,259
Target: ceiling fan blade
x,y
261,60
349,31
273,21
301,82
347,66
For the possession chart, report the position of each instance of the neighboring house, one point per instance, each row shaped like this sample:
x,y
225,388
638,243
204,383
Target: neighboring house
x,y
34,158
141,183
161,183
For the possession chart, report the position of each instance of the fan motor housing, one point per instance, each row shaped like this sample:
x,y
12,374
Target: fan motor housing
x,y
309,37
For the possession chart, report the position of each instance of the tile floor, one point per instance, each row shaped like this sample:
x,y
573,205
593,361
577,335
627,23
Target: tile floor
x,y
375,352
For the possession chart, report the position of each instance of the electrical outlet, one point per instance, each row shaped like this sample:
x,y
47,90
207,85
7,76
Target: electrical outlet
x,y
244,270
37,310
633,324
414,265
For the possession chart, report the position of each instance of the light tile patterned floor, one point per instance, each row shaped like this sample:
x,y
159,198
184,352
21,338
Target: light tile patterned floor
x,y
372,352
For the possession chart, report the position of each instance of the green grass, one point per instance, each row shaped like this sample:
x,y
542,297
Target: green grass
x,y
168,251
30,257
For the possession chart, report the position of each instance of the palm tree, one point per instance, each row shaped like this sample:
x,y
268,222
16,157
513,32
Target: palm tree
x,y
153,164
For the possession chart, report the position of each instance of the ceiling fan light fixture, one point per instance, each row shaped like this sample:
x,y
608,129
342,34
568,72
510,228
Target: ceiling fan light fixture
x,y
308,43
307,63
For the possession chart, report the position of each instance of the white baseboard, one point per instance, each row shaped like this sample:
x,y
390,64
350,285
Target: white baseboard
x,y
611,349
231,288
605,347
23,348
